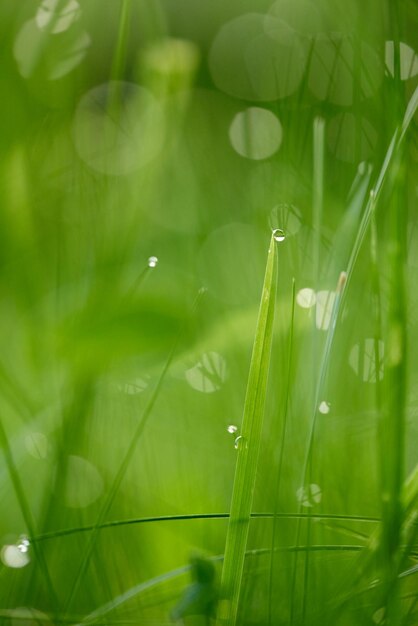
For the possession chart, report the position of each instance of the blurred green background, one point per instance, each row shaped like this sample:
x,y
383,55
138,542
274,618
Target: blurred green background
x,y
184,131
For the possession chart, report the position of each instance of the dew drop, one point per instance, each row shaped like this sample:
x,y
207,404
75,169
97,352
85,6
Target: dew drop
x,y
153,261
324,407
231,428
240,443
279,235
13,556
23,544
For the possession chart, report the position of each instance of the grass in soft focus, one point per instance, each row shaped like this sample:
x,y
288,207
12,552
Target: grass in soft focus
x,y
172,454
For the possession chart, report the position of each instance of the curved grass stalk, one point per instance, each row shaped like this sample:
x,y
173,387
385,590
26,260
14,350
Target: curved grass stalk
x,y
199,516
248,452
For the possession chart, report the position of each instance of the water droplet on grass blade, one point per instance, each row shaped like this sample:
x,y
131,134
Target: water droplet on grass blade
x,y
324,407
152,261
240,443
279,235
23,544
13,556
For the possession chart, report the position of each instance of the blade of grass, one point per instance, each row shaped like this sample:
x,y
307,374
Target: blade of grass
x,y
248,452
282,442
400,500
317,204
198,516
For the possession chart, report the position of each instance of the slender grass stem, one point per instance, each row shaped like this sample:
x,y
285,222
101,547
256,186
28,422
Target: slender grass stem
x,y
246,467
281,449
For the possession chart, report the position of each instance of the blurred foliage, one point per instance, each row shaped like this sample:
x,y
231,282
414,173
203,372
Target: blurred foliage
x,y
183,131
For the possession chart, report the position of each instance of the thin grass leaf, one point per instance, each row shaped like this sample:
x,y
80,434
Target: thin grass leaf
x,y
248,451
199,516
281,452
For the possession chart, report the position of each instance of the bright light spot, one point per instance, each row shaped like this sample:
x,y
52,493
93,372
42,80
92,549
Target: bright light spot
x,y
308,496
48,58
324,306
13,556
351,138
306,298
122,140
24,544
288,216
240,443
37,445
255,133
408,59
84,483
47,15
209,374
279,235
257,57
324,407
335,70
232,429
153,261
362,359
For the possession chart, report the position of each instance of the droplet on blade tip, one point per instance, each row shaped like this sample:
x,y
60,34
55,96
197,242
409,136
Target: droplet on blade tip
x,y
279,235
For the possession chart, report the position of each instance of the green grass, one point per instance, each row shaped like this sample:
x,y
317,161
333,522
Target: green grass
x,y
120,378
248,444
